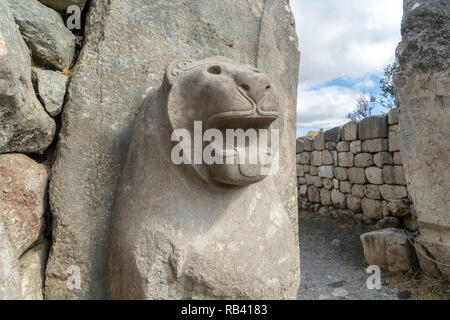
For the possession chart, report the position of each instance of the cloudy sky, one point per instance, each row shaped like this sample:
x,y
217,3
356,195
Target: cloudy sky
x,y
345,46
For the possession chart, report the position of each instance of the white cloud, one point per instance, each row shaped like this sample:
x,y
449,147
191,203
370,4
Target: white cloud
x,y
342,38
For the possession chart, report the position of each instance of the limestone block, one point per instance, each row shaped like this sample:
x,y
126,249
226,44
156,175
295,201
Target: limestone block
x,y
327,183
383,158
398,159
330,145
345,187
390,192
374,175
300,146
393,116
357,175
333,135
309,146
313,194
349,131
341,173
303,190
355,146
313,170
300,172
326,172
336,184
319,142
358,191
327,158
393,138
338,199
364,160
345,159
304,158
372,209
374,127
372,191
316,158
375,145
354,203
325,197
394,175
343,146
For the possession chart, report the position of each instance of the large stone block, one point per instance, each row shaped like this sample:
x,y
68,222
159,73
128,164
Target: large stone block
x,y
24,125
304,158
394,175
327,183
343,146
372,191
313,194
340,173
390,192
358,191
313,170
389,249
333,135
372,209
393,139
423,91
393,116
374,175
327,158
45,33
374,127
325,197
326,172
345,187
300,146
309,146
398,159
355,147
316,158
300,172
363,160
345,159
353,203
383,158
128,45
375,145
349,131
338,199
357,175
319,142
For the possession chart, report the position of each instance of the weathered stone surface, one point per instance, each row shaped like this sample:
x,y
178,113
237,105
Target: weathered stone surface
x,y
399,208
319,142
374,127
301,180
327,183
394,175
9,265
343,146
349,131
423,92
23,184
358,191
340,173
372,191
326,172
375,145
330,146
43,29
383,158
363,160
372,209
338,199
398,158
32,266
304,158
303,190
333,135
411,223
356,175
313,170
52,89
345,159
389,249
309,144
316,158
345,187
24,124
62,5
336,183
306,168
393,116
374,175
128,45
355,146
300,146
325,197
327,158
313,194
354,203
393,138
334,154
300,172
390,192
388,222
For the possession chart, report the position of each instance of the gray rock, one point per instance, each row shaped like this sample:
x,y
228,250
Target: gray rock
x,y
325,197
393,116
309,146
374,127
131,43
336,183
303,190
372,191
333,135
411,223
338,199
374,175
330,146
43,29
316,181
314,171
393,138
326,172
399,208
354,203
62,5
398,158
304,158
340,173
300,146
345,159
327,158
390,192
32,266
319,142
349,131
394,175
52,89
388,249
358,191
345,187
372,209
388,222
316,158
327,183
300,172
24,125
375,145
422,91
363,160
9,265
383,158
343,146
340,293
301,180
313,194
356,175
324,212
355,147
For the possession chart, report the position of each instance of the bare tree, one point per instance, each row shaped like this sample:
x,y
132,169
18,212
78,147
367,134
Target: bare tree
x,y
365,105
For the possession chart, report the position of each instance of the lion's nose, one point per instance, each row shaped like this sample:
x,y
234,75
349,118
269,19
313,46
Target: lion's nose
x,y
254,84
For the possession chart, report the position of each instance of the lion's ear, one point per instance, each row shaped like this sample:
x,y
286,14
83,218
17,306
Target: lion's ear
x,y
176,69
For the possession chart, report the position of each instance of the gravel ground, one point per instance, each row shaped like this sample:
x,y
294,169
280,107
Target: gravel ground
x,y
332,262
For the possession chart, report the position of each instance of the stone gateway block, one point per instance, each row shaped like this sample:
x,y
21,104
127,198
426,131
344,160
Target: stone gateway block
x,y
373,127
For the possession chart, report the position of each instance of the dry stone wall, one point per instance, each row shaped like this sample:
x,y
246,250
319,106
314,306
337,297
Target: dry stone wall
x,y
355,172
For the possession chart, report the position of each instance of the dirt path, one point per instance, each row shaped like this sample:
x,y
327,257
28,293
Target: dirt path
x,y
332,262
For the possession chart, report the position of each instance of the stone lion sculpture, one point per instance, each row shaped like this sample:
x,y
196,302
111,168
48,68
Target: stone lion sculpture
x,y
196,230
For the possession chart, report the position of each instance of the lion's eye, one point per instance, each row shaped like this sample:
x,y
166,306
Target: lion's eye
x,y
215,70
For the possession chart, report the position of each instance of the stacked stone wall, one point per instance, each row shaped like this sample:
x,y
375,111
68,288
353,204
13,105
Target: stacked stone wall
x,y
355,172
